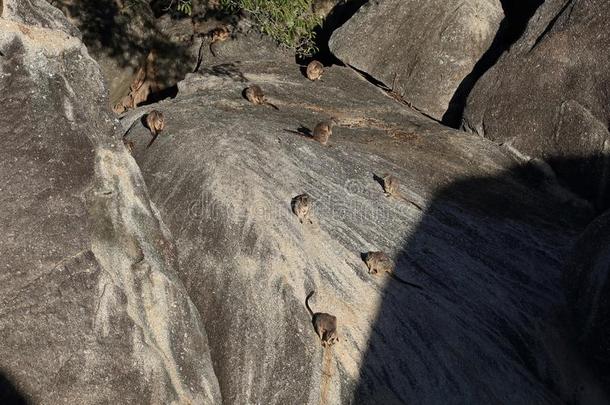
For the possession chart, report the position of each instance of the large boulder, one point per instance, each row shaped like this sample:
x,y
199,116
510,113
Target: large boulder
x,y
489,324
91,310
549,97
422,50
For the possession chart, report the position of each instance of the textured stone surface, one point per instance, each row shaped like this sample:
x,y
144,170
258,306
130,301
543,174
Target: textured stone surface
x,y
106,299
550,95
91,310
486,249
421,49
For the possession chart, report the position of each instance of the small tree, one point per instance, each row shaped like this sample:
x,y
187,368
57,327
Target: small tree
x,y
289,22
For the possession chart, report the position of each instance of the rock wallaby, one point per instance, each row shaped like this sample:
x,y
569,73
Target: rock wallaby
x,y
301,207
324,324
323,130
314,70
391,188
255,95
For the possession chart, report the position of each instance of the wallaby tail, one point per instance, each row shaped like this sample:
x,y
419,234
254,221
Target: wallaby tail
x,y
411,202
213,48
271,105
307,303
400,280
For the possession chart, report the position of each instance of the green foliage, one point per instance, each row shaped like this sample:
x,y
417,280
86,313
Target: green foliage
x,y
185,6
182,6
289,22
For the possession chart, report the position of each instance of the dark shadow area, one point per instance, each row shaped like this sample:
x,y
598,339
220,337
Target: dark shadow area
x,y
378,179
171,66
516,16
491,324
9,394
203,10
155,97
586,178
168,7
143,120
105,28
126,35
587,286
302,131
337,17
226,70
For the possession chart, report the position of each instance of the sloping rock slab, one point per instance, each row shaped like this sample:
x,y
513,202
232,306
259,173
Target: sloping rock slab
x,y
550,95
90,308
486,248
421,49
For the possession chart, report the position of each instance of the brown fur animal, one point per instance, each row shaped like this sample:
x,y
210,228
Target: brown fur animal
x,y
324,324
155,121
129,145
255,95
323,130
144,83
390,185
379,262
301,206
219,34
391,188
314,70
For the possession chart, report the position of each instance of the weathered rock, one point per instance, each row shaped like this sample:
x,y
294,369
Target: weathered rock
x,y
587,279
421,49
91,310
486,248
550,95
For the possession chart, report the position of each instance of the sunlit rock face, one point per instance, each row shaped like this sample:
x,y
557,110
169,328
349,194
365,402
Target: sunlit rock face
x,y
179,274
423,50
486,248
91,310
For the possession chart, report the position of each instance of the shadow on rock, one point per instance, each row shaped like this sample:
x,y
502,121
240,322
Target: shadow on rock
x,y
230,70
492,315
105,28
516,16
338,16
120,36
9,394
